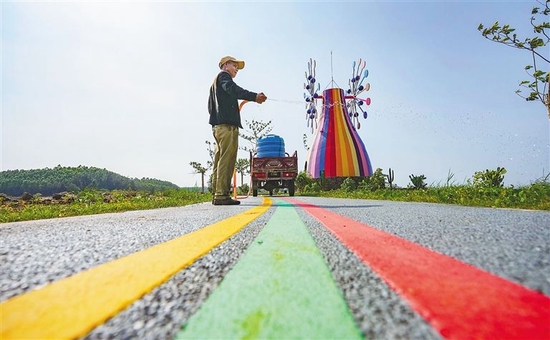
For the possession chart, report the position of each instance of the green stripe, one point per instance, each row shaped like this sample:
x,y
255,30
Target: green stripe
x,y
280,289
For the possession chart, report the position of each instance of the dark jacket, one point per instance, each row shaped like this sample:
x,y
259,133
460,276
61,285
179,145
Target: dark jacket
x,y
222,102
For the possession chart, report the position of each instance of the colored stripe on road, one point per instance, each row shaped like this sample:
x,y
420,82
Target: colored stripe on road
x,y
457,299
281,288
71,307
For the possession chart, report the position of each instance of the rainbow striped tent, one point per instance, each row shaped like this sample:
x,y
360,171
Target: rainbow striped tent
x,y
337,149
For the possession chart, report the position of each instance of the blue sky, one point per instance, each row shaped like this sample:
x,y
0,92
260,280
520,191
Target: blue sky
x,y
124,85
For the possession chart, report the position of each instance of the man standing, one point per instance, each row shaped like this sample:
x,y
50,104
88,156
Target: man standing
x,y
225,119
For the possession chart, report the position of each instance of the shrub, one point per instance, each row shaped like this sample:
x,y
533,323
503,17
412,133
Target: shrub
x,y
302,180
489,178
243,189
377,180
313,188
364,184
417,182
348,185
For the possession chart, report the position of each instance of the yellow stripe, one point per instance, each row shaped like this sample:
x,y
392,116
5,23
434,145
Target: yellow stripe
x,y
345,146
346,165
71,307
352,166
352,154
338,112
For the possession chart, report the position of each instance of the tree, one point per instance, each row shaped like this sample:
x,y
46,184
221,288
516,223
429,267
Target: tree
x,y
538,86
210,146
304,140
243,167
199,169
254,130
51,181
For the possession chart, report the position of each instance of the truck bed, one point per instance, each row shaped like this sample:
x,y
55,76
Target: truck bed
x,y
270,173
289,164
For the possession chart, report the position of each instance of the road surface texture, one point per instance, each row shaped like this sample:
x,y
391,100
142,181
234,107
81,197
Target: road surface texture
x,y
280,268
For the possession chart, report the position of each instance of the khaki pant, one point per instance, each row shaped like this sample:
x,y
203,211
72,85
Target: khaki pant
x,y
225,156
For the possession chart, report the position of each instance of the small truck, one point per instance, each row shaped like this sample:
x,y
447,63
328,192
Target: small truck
x,y
269,173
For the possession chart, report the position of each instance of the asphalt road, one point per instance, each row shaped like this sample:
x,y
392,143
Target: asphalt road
x,y
511,244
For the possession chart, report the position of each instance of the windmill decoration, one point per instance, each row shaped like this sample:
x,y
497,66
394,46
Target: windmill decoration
x,y
356,87
312,94
337,149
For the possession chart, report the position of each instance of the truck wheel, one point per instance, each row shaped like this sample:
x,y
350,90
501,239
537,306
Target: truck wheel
x,y
254,189
291,188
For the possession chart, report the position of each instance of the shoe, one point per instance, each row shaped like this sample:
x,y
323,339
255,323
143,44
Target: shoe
x,y
226,201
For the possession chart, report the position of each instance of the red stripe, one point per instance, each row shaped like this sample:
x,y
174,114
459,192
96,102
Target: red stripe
x,y
457,299
330,152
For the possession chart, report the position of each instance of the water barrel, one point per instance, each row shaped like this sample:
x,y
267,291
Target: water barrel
x,y
271,146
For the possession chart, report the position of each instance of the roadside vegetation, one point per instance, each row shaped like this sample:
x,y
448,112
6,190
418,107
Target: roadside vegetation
x,y
484,189
72,191
49,181
93,201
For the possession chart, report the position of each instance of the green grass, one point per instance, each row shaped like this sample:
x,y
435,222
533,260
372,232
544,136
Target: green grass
x,y
89,202
535,196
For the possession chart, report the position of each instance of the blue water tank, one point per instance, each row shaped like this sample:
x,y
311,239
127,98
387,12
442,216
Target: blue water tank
x,y
271,146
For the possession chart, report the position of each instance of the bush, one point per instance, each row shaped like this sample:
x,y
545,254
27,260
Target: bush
x,y
348,185
364,184
303,180
417,182
375,182
243,189
489,178
313,188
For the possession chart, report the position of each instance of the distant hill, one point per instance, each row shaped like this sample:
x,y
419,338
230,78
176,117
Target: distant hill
x,y
49,181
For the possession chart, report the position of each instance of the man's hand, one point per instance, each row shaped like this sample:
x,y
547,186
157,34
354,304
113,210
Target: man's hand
x,y
260,98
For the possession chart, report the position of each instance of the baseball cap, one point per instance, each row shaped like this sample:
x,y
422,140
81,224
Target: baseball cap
x,y
240,63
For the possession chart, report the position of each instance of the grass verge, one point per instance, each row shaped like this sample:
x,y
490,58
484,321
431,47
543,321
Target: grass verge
x,y
89,202
534,197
